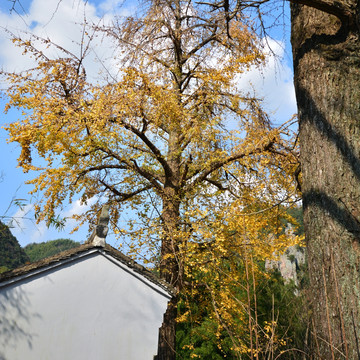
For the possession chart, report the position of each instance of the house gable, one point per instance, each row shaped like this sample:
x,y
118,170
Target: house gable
x,y
86,303
65,257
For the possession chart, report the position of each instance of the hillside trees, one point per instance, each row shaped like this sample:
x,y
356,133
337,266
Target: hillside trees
x,y
38,251
168,135
11,253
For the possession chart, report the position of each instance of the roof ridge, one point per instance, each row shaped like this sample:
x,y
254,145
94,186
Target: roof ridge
x,y
68,254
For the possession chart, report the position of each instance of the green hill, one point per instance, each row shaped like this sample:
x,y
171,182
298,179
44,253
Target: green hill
x,y
11,253
45,249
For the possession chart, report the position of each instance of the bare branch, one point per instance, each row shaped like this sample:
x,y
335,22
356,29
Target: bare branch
x,y
205,172
124,196
132,165
157,153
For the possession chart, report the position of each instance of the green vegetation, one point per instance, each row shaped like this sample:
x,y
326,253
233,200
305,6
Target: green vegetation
x,y
11,253
42,250
297,214
278,317
280,321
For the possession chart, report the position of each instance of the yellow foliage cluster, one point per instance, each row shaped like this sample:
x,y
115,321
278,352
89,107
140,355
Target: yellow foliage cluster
x,y
222,272
171,140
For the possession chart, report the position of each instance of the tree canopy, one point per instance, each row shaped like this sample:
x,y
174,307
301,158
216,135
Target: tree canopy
x,y
171,126
167,135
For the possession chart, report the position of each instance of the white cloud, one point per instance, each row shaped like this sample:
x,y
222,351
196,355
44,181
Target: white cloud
x,y
24,228
62,22
273,82
41,230
78,207
19,219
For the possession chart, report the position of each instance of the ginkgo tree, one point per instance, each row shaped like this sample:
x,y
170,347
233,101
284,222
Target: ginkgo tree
x,y
167,134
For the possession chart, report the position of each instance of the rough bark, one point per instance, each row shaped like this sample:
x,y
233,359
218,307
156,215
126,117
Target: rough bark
x,y
170,270
167,333
326,53
170,264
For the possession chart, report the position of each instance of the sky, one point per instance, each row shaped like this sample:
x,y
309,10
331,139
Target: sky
x,y
61,21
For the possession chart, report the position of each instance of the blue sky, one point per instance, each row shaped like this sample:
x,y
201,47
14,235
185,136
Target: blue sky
x,y
60,21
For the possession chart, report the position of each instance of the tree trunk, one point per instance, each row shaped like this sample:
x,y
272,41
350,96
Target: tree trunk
x,y
167,333
327,82
171,271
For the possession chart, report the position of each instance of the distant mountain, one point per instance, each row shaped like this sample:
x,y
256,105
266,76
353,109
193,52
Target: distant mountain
x,y
11,253
45,249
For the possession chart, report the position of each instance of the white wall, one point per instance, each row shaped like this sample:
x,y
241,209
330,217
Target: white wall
x,y
88,309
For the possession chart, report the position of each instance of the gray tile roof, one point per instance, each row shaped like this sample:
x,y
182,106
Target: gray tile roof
x,y
75,252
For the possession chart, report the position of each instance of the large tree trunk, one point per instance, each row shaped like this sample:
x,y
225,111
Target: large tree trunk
x,y
170,271
327,82
167,333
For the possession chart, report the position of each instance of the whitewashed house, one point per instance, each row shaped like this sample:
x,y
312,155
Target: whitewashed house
x,y
91,302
